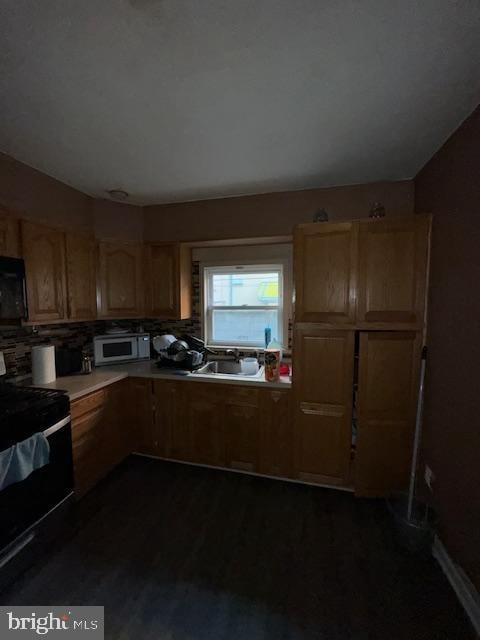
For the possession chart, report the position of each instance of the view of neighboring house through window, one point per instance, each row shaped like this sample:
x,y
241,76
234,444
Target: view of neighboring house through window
x,y
240,302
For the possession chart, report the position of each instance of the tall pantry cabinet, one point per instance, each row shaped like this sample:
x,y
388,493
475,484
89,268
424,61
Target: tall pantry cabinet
x,y
360,292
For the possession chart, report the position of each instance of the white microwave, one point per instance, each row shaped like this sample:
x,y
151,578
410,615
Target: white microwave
x,y
127,347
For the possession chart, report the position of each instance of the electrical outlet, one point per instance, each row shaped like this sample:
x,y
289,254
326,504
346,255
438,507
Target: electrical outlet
x,y
429,477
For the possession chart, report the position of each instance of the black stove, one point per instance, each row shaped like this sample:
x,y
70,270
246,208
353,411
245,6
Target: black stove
x,y
26,410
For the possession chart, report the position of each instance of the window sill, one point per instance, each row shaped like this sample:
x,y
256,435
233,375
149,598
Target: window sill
x,y
224,347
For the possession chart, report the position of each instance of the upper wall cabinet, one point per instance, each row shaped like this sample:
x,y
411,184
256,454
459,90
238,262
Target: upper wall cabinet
x,y
9,235
393,257
168,292
81,276
120,284
325,272
44,254
364,274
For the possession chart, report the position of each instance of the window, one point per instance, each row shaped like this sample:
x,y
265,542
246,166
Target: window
x,y
240,302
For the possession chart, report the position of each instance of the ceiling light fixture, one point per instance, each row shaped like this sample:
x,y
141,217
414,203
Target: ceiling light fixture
x,y
117,194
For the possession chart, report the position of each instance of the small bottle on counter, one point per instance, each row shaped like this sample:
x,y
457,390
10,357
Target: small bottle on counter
x,y
86,364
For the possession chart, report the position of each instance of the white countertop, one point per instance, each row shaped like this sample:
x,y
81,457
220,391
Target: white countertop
x,y
80,385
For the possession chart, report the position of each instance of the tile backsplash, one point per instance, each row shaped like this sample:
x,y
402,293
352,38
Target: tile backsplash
x,y
17,343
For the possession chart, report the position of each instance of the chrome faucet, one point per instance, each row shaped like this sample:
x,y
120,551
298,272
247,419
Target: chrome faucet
x,y
234,354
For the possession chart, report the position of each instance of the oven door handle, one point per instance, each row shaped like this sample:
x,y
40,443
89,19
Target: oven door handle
x,y
56,426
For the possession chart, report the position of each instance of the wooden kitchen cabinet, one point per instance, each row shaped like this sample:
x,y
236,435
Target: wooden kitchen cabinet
x,y
204,422
323,392
389,367
242,428
117,441
325,271
86,446
9,235
392,280
120,284
81,276
88,422
100,434
169,434
140,414
45,272
276,448
168,289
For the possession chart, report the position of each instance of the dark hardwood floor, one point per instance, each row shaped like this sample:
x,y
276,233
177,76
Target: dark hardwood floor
x,y
183,553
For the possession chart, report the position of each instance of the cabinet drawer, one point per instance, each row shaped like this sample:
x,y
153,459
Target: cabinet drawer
x,y
90,403
87,426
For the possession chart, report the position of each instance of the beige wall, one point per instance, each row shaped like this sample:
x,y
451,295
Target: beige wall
x,y
272,213
117,221
449,187
34,195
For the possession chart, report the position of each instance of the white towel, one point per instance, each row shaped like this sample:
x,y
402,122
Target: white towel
x,y
18,462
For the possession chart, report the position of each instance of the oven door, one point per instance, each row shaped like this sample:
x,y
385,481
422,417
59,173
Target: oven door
x,y
109,350
23,504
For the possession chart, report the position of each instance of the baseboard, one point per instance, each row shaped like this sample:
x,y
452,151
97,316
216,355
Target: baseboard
x,y
466,592
248,473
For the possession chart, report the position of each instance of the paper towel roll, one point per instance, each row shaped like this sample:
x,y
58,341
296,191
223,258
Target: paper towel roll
x,y
43,364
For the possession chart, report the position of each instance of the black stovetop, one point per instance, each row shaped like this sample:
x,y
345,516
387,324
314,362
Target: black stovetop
x,y
26,410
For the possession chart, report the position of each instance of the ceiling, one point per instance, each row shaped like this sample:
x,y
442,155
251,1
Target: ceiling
x,y
176,100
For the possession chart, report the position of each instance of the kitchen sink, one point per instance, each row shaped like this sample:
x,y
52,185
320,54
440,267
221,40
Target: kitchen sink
x,y
225,368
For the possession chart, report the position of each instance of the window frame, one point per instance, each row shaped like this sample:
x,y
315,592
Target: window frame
x,y
254,266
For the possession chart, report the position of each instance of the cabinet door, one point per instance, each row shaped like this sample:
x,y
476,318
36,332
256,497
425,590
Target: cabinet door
x,y
117,437
121,271
162,267
204,421
242,428
44,253
9,235
140,415
169,281
325,272
323,388
168,418
81,276
276,452
393,257
87,449
387,395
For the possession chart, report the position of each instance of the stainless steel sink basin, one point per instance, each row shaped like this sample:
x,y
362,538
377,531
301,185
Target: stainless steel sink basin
x,y
225,368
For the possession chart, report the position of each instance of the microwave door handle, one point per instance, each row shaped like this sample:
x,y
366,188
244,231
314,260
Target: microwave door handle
x,y
55,427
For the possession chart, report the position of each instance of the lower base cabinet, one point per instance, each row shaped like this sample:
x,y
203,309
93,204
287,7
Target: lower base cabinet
x,y
244,428
204,424
170,432
140,415
277,434
243,424
100,434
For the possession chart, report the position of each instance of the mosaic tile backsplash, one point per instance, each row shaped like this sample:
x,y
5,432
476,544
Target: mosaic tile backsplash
x,y
16,343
